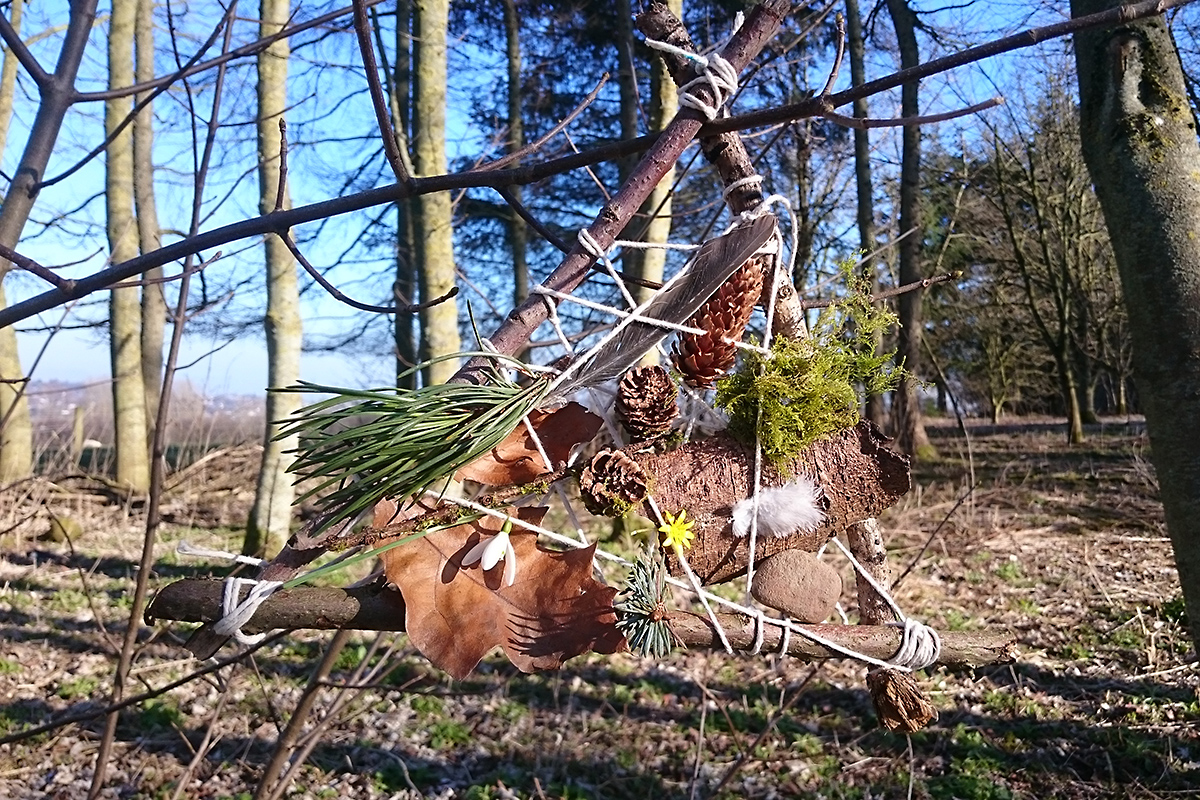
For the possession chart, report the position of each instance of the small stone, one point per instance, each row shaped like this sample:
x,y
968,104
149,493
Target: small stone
x,y
798,584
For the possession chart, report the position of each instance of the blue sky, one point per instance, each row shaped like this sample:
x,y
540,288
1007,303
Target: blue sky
x,y
225,361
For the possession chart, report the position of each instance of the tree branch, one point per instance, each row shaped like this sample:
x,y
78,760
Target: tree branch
x,y
483,177
820,105
379,609
13,40
29,265
137,108
383,118
253,48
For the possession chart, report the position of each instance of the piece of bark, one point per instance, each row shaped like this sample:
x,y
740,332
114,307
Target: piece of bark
x,y
858,475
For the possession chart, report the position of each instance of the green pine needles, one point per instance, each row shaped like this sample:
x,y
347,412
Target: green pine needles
x,y
642,607
807,388
360,446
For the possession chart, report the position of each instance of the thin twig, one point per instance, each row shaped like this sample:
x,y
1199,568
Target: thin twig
x,y
411,308
517,155
300,715
13,41
249,49
159,445
816,106
911,564
840,24
929,119
924,283
112,708
383,117
533,222
29,265
138,106
775,717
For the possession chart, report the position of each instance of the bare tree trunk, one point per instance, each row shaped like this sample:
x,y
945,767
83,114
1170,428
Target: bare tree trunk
x,y
270,519
8,76
125,313
865,208
1139,142
907,424
57,94
518,231
626,84
657,208
154,304
435,215
407,349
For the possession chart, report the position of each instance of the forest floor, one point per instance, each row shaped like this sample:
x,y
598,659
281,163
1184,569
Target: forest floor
x,y
1063,546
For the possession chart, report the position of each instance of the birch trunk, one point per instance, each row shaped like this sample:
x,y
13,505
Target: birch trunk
x,y
434,237
154,305
125,314
270,518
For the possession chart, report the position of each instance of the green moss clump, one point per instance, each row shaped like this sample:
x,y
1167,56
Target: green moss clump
x,y
807,388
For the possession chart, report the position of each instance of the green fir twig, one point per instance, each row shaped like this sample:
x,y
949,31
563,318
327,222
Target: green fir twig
x,y
642,609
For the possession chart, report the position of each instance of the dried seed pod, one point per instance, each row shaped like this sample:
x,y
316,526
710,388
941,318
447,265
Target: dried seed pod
x,y
703,358
612,482
899,701
646,402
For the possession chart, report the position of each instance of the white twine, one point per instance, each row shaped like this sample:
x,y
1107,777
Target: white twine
x,y
759,625
594,249
920,645
740,183
713,70
785,637
234,615
188,549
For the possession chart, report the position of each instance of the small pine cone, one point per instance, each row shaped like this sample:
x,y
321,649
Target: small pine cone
x,y
646,402
612,482
702,359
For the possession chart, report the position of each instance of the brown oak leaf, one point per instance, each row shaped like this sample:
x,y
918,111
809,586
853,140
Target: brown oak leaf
x,y
517,460
454,615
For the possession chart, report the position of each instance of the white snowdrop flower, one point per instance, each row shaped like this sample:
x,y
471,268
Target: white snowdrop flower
x,y
782,510
489,552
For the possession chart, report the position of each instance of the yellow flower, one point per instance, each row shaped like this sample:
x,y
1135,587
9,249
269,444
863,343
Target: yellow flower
x,y
678,532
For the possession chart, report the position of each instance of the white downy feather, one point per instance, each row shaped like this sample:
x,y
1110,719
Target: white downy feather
x,y
782,510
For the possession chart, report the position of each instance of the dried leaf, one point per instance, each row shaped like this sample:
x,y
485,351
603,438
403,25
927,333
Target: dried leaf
x,y
516,460
454,615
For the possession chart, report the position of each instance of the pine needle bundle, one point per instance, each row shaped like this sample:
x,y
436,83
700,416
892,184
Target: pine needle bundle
x,y
361,446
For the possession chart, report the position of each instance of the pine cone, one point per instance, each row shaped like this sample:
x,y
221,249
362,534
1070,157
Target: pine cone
x,y
702,359
646,402
612,482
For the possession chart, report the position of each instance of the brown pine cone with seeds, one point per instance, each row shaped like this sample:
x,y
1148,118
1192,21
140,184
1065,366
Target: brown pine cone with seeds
x,y
646,402
612,483
704,358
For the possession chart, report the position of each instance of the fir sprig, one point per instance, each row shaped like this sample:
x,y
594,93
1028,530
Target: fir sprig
x,y
361,446
642,608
